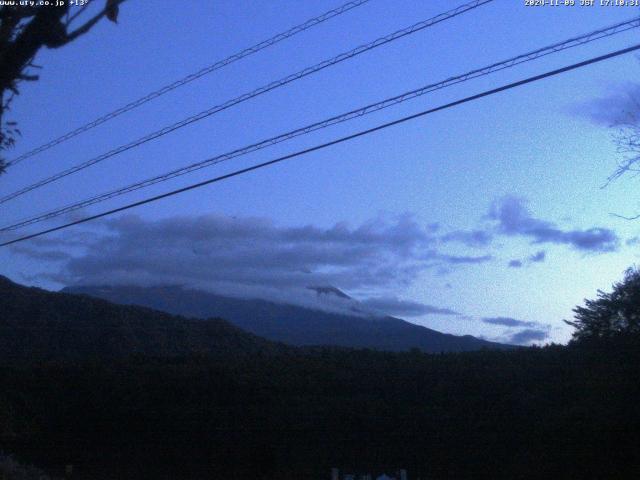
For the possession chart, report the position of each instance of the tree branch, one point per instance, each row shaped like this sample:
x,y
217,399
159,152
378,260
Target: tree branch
x,y
80,11
91,22
635,217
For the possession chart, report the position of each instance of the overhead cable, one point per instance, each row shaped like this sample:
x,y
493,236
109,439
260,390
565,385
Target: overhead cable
x,y
247,96
329,144
495,67
191,77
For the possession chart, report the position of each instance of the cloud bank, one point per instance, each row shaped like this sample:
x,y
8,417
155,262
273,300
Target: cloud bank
x,y
471,238
509,322
526,336
513,219
213,249
254,257
529,331
405,308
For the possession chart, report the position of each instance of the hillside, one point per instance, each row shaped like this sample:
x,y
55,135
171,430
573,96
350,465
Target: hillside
x,y
292,324
42,324
201,399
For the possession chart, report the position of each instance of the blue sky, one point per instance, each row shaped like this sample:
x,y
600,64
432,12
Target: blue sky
x,y
511,166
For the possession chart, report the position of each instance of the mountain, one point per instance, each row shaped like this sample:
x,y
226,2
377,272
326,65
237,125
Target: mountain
x,y
329,290
35,323
298,412
291,324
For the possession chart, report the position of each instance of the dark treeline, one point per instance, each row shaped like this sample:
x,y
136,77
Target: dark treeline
x,y
554,412
124,392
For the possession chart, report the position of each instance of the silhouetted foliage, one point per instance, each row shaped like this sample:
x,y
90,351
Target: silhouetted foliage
x,y
36,324
611,314
25,28
10,469
291,413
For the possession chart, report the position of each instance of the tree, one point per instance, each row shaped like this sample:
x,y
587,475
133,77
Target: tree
x,y
627,140
612,314
24,30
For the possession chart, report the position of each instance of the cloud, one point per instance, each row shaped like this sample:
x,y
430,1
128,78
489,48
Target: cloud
x,y
252,251
525,337
248,254
461,259
513,219
535,258
470,238
509,322
611,110
538,257
54,255
530,331
406,308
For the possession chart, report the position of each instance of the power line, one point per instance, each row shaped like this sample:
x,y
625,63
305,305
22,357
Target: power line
x,y
333,142
570,43
247,96
190,78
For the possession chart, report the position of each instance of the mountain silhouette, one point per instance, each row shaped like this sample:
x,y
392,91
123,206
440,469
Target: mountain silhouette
x,y
292,324
36,323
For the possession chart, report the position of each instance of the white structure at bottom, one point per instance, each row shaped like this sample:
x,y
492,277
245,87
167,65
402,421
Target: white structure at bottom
x,y
384,476
335,475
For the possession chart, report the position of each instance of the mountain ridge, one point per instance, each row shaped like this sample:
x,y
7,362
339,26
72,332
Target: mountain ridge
x,y
291,324
36,323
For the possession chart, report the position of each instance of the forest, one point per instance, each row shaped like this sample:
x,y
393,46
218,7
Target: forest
x,y
272,411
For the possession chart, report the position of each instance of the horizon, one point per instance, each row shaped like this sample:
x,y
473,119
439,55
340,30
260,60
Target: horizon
x,y
487,219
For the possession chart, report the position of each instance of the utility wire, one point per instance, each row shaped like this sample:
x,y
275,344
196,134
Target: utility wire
x,y
333,142
259,91
190,78
570,43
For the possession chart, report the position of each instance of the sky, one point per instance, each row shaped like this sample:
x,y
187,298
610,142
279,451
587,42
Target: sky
x,y
487,219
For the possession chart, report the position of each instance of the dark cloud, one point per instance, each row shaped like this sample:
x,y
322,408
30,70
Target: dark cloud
x,y
461,259
445,264
509,322
513,219
215,251
525,337
53,249
252,251
255,258
611,110
395,306
531,331
42,254
538,257
470,238
535,258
